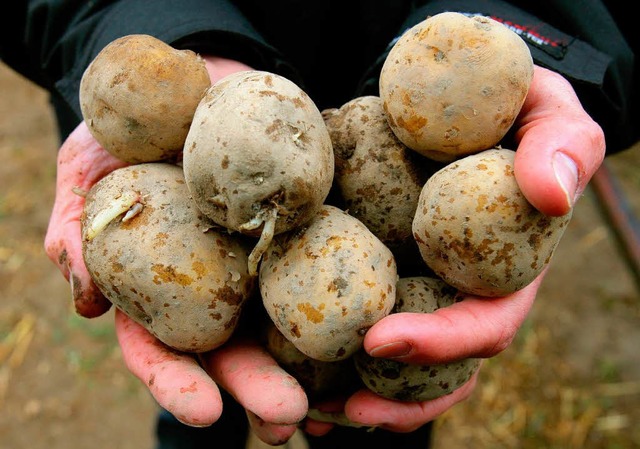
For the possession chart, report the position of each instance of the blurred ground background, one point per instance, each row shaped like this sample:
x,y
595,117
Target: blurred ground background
x,y
570,380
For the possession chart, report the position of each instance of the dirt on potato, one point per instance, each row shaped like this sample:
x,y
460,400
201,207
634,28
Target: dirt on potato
x,y
571,378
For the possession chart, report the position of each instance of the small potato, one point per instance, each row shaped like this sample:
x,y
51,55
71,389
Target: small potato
x,y
320,380
326,284
138,97
409,382
453,85
478,232
378,178
258,157
158,259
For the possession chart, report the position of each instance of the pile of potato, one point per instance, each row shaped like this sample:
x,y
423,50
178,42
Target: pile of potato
x,y
244,193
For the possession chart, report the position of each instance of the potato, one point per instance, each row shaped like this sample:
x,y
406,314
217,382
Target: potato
x,y
378,178
158,259
138,97
320,380
453,85
258,157
478,232
409,382
326,284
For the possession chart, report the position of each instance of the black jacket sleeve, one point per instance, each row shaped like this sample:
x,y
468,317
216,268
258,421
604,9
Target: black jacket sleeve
x,y
51,42
330,43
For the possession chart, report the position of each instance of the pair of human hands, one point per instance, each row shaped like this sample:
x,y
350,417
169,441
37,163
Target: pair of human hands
x,y
559,149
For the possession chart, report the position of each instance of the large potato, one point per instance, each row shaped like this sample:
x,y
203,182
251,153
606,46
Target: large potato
x,y
158,259
411,382
378,178
327,283
138,97
453,85
478,232
258,157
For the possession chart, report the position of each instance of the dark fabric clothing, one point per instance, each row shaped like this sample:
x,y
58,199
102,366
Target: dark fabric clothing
x,y
332,49
230,432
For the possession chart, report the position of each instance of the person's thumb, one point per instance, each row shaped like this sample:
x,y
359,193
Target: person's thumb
x,y
559,146
81,163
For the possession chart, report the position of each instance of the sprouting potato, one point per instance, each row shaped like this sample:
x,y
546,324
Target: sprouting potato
x,y
258,157
453,85
477,231
401,381
326,284
138,97
157,258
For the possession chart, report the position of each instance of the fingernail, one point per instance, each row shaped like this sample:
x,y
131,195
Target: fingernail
x,y
391,350
190,424
566,172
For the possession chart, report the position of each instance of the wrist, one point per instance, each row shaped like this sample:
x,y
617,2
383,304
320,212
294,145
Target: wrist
x,y
219,67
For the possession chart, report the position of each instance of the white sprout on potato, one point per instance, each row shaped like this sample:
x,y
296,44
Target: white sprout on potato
x,y
252,224
135,210
268,218
124,203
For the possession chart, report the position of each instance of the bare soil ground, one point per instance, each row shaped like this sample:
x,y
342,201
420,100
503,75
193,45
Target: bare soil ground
x,y
570,380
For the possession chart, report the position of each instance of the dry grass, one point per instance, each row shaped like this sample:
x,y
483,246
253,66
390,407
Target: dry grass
x,y
529,399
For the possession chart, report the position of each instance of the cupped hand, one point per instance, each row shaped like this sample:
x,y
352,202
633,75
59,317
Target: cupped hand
x,y
474,327
176,380
188,385
559,148
183,384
